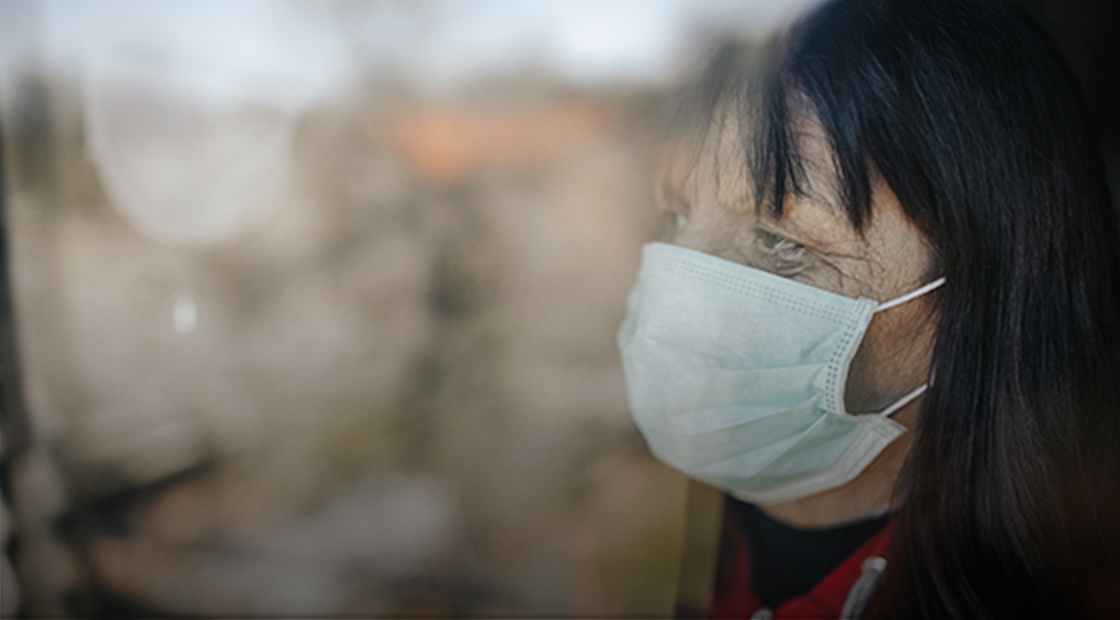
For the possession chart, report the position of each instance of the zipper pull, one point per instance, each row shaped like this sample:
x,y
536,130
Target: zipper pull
x,y
861,591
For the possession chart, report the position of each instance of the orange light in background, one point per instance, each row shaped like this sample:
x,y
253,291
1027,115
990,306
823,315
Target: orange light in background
x,y
444,146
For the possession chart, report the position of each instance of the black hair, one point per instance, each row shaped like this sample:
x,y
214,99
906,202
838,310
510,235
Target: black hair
x,y
968,112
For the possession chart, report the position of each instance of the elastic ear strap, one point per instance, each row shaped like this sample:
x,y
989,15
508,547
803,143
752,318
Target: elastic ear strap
x,y
905,400
911,295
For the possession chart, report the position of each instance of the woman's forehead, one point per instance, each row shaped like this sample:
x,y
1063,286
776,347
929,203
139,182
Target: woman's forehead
x,y
819,206
713,169
709,164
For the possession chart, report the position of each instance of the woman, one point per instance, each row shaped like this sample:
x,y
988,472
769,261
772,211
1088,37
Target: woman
x,y
889,322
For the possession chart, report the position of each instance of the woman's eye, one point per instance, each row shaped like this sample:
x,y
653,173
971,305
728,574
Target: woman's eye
x,y
777,243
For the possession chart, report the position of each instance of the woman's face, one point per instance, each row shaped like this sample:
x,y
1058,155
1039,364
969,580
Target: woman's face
x,y
815,244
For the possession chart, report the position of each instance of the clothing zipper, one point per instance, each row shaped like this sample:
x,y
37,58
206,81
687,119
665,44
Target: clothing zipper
x,y
861,591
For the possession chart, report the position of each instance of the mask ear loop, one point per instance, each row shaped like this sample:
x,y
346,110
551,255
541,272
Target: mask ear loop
x,y
905,400
918,292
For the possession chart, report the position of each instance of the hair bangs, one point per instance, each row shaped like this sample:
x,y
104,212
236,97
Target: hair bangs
x,y
790,100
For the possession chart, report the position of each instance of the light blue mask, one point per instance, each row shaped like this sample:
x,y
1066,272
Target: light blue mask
x,y
736,376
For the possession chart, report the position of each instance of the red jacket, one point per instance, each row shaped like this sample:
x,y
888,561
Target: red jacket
x,y
846,590
734,598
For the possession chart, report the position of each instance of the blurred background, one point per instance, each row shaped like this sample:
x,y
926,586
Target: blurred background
x,y
310,306
315,304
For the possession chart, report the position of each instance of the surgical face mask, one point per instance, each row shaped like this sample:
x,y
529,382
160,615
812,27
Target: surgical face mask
x,y
736,376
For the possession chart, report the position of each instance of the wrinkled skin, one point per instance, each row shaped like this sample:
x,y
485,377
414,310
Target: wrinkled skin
x,y
813,243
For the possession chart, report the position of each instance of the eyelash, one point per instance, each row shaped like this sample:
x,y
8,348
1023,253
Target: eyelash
x,y
777,243
785,258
